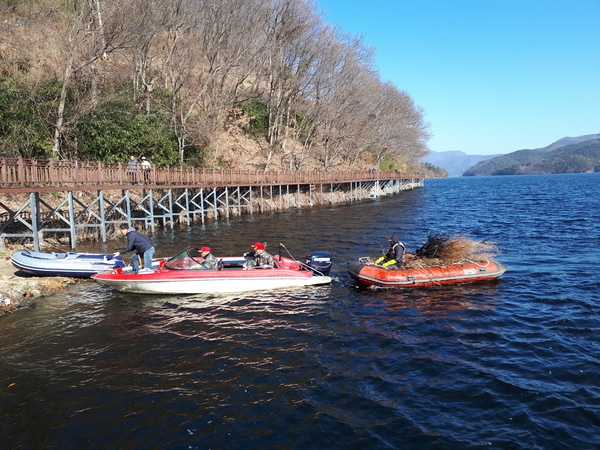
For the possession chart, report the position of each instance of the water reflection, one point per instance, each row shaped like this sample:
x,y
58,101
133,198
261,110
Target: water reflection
x,y
435,300
185,315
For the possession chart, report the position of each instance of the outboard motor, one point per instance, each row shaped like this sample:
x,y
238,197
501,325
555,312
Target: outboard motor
x,y
319,262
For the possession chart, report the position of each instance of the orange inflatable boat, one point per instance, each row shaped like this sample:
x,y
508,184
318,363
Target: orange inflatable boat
x,y
365,272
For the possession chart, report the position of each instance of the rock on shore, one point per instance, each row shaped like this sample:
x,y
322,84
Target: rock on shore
x,y
19,290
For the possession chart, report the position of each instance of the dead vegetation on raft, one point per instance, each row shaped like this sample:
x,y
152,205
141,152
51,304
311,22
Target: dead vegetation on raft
x,y
444,250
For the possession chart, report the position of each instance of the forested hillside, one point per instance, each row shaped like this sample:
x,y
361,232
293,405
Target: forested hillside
x,y
242,84
574,158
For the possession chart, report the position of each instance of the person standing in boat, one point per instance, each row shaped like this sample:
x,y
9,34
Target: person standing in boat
x,y
143,246
210,262
261,258
394,257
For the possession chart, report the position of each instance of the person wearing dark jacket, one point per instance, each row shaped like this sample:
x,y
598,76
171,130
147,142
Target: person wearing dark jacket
x,y
210,262
143,247
259,257
394,257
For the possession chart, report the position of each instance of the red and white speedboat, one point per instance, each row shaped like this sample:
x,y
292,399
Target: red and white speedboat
x,y
366,273
175,276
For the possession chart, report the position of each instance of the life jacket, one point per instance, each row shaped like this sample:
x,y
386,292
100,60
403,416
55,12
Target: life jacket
x,y
391,253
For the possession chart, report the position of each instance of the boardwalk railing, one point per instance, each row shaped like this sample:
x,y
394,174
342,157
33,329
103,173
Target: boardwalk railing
x,y
21,173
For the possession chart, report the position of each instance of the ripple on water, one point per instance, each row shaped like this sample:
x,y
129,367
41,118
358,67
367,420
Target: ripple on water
x,y
509,364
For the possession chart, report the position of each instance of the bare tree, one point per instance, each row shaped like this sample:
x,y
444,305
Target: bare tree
x,y
324,99
341,100
79,41
291,33
222,52
159,28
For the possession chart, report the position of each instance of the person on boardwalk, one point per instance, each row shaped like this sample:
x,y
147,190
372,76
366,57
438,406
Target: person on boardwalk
x,y
210,262
146,168
132,169
260,258
144,248
394,257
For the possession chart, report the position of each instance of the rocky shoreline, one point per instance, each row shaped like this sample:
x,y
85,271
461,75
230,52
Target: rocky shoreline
x,y
19,290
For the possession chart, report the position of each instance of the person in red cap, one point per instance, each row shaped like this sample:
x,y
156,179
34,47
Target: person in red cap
x,y
210,262
260,258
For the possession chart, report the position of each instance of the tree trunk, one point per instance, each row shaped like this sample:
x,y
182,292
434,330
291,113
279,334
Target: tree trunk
x,y
60,116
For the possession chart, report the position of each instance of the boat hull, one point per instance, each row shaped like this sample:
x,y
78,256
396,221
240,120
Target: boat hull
x,y
146,284
64,264
232,278
467,272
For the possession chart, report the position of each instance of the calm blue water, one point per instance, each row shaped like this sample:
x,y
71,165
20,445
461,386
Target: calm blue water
x,y
509,364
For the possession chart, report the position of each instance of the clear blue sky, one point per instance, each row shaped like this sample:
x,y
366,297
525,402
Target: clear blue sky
x,y
493,76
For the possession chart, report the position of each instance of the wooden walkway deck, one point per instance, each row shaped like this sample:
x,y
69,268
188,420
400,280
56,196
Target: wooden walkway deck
x,y
16,174
46,198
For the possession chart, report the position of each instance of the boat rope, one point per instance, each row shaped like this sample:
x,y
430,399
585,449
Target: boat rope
x,y
462,261
368,260
477,263
306,266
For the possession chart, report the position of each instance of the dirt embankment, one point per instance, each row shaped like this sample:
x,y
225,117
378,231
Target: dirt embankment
x,y
18,290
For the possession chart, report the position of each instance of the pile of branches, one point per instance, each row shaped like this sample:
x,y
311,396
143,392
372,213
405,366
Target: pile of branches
x,y
444,250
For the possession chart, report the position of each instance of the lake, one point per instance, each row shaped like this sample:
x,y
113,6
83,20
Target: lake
x,y
508,364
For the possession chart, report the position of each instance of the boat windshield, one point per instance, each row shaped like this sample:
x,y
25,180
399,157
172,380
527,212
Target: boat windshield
x,y
185,259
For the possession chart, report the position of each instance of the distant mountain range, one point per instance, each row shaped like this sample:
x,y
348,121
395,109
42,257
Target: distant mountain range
x,y
567,155
454,162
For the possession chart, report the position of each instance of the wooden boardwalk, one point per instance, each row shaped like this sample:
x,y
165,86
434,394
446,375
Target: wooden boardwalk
x,y
50,175
42,198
